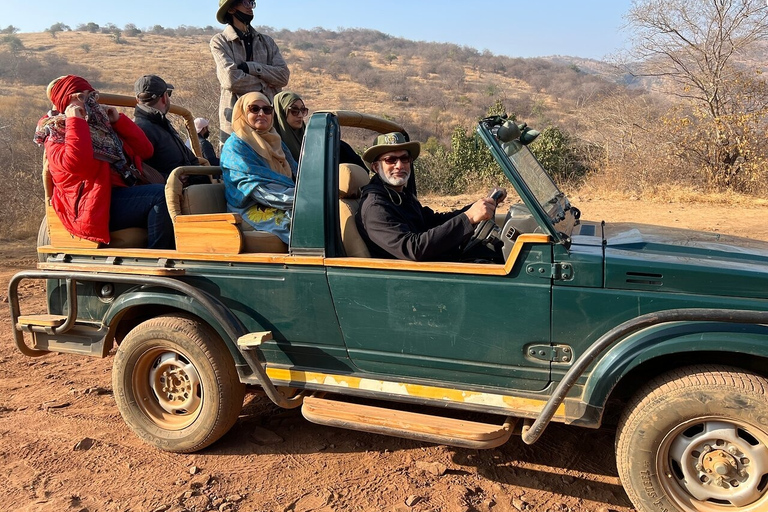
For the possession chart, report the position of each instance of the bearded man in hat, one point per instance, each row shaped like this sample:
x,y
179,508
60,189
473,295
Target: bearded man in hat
x,y
392,221
246,60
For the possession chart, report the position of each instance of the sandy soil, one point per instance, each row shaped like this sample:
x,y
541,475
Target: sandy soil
x,y
64,446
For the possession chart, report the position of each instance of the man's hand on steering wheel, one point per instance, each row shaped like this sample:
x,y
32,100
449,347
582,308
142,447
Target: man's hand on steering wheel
x,y
481,210
481,215
485,208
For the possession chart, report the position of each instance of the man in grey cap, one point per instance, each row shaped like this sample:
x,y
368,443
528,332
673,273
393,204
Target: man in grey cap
x,y
246,60
392,221
154,102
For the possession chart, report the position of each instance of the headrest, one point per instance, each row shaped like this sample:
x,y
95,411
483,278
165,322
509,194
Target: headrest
x,y
351,179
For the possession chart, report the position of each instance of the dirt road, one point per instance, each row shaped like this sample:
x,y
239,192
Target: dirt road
x,y
64,446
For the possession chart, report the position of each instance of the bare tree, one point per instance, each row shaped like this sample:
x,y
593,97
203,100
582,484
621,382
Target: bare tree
x,y
695,43
699,49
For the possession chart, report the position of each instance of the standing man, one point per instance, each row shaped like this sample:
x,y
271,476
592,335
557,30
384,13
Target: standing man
x,y
201,127
154,102
246,60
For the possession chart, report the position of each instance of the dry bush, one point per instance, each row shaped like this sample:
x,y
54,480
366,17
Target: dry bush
x,y
636,153
22,192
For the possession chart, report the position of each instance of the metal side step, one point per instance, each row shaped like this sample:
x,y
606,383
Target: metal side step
x,y
83,339
26,321
410,425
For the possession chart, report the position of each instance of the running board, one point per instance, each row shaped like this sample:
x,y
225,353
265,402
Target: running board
x,y
410,425
83,339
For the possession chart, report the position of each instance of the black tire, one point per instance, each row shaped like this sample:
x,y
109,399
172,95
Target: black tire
x,y
696,440
175,383
43,238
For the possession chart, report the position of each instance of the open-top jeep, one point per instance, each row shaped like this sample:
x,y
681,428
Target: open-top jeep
x,y
663,329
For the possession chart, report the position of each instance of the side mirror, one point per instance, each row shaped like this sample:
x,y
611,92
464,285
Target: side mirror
x,y
528,136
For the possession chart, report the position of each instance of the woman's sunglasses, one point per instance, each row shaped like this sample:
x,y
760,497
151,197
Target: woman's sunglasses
x,y
254,109
298,112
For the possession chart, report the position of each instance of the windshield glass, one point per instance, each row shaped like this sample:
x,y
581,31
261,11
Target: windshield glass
x,y
534,175
546,203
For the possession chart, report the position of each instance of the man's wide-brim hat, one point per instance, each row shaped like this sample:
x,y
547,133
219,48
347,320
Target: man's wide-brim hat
x,y
224,6
387,142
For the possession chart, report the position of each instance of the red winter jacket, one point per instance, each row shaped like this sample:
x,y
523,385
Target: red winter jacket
x,y
82,185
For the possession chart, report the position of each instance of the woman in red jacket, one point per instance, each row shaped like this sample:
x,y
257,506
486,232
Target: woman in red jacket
x,y
94,156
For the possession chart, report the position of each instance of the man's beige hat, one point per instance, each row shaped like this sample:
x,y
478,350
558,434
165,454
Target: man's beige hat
x,y
390,142
224,6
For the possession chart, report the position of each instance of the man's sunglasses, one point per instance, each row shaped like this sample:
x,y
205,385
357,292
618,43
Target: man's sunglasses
x,y
248,3
392,160
298,111
254,109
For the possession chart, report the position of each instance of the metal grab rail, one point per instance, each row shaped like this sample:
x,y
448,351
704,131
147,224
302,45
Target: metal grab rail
x,y
531,434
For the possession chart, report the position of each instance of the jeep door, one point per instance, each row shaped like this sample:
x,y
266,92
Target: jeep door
x,y
430,321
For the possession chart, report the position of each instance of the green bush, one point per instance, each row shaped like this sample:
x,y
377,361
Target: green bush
x,y
556,152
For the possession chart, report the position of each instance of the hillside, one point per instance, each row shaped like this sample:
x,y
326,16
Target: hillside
x,y
430,87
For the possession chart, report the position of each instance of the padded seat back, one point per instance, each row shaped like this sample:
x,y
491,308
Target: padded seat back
x,y
211,232
207,198
351,179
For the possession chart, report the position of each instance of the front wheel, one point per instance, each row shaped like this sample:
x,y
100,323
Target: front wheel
x,y
175,383
696,440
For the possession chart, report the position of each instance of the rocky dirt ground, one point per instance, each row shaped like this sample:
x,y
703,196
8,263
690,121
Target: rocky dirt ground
x,y
64,446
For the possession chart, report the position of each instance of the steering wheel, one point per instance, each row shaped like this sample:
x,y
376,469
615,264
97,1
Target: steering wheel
x,y
486,230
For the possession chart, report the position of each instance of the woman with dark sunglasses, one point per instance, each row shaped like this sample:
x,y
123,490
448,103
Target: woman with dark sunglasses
x,y
258,169
290,122
290,113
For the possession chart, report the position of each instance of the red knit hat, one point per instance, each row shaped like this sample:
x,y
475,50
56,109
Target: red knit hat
x,y
63,87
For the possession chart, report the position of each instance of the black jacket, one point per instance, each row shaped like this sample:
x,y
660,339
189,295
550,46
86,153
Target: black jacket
x,y
395,225
208,152
170,151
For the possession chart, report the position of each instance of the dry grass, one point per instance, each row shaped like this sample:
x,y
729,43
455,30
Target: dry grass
x,y
593,190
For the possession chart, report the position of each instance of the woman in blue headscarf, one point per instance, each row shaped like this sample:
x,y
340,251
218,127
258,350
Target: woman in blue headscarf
x,y
258,169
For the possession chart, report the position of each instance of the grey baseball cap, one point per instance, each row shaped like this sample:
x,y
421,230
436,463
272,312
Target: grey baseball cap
x,y
149,87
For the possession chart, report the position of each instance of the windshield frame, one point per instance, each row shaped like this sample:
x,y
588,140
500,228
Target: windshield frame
x,y
549,218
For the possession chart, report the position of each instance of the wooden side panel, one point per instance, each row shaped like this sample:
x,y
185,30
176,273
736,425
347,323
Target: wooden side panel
x,y
210,233
324,411
60,237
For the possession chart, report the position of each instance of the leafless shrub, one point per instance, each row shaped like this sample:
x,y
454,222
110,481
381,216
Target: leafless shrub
x,y
22,190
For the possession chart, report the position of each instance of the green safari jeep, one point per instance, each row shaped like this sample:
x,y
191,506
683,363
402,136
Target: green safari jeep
x,y
663,329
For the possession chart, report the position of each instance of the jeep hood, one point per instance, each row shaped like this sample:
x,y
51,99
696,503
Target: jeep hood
x,y
646,257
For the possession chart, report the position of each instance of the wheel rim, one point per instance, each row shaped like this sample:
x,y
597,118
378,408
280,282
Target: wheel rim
x,y
168,388
715,464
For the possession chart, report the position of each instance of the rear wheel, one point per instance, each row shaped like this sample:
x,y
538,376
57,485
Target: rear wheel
x,y
696,440
175,383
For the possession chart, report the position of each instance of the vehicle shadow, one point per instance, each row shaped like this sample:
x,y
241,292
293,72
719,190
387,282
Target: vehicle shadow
x,y
572,461
569,460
